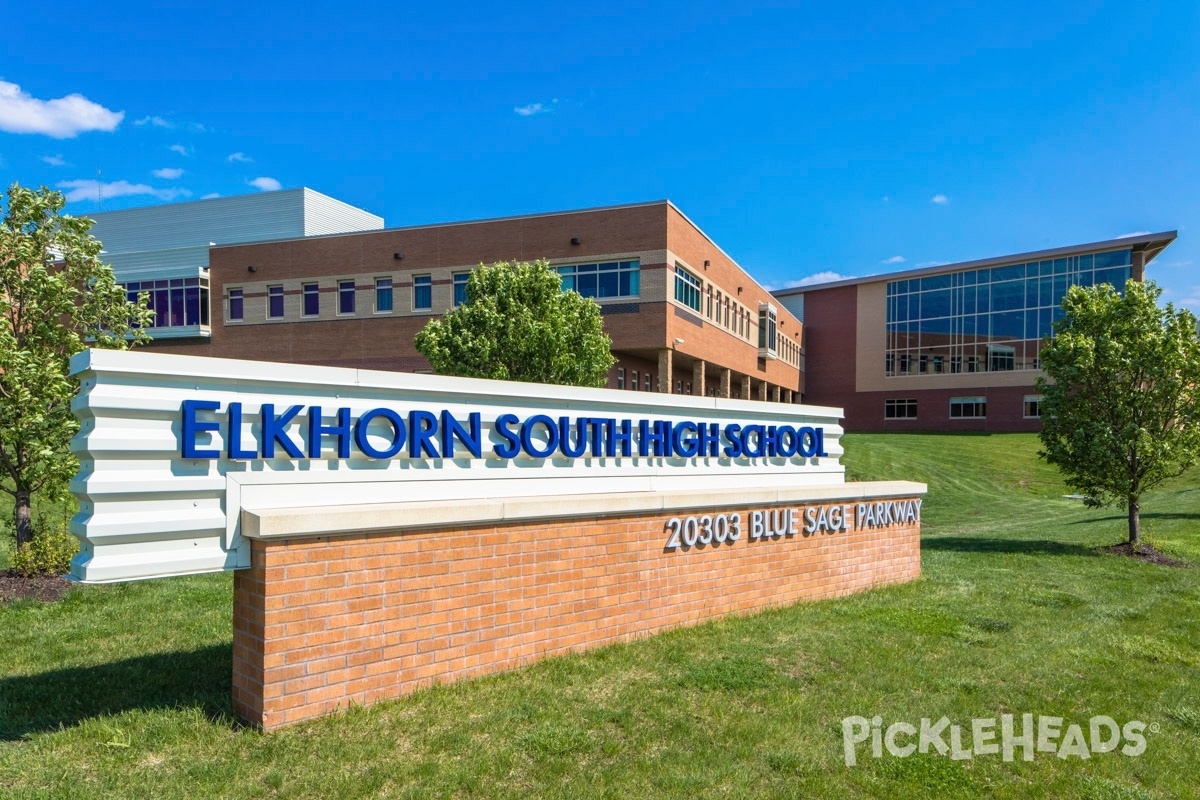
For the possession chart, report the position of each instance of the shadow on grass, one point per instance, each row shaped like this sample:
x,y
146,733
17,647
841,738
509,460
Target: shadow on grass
x,y
970,544
66,697
1145,515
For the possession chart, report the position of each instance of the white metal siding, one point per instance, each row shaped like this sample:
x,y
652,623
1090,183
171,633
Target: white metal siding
x,y
323,214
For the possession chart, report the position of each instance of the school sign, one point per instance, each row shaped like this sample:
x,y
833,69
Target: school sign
x,y
390,530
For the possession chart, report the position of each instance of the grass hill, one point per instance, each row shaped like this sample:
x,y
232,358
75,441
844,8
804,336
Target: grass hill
x,y
123,691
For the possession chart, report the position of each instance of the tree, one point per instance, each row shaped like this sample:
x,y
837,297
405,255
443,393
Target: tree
x,y
518,324
56,298
1121,396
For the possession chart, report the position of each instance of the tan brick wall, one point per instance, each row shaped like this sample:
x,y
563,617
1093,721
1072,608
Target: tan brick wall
x,y
321,624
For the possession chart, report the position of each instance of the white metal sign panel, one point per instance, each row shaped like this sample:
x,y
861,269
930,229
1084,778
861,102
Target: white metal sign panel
x,y
173,448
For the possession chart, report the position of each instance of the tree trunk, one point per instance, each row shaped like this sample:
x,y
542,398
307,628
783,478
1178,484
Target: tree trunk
x,y
1135,522
22,518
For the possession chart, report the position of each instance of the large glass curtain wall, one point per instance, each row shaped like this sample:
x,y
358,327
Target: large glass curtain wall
x,y
986,320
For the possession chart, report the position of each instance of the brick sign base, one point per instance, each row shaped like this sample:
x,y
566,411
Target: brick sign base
x,y
322,623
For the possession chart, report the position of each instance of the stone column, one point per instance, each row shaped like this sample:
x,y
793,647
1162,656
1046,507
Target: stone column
x,y
762,390
726,383
745,393
665,371
698,369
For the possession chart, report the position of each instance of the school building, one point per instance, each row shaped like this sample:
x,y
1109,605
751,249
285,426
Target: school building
x,y
953,347
298,277
683,316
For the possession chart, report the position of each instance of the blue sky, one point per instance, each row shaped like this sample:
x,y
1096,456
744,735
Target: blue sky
x,y
804,139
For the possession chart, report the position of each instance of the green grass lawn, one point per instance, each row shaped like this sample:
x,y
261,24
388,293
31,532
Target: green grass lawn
x,y
123,691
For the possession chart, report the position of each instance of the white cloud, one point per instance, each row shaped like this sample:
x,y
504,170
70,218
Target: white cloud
x,y
894,260
1127,235
157,122
168,173
56,161
1190,300
62,118
817,277
211,196
266,184
239,158
91,190
887,199
939,199
181,149
925,264
532,109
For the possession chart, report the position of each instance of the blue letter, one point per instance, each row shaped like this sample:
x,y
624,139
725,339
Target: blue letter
x,y
564,436
513,445
710,439
760,447
424,426
316,430
684,447
527,443
808,443
275,430
472,439
399,433
192,426
733,435
646,438
787,440
623,435
233,441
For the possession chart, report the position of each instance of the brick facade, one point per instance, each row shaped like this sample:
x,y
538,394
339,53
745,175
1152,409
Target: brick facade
x,y
643,328
324,623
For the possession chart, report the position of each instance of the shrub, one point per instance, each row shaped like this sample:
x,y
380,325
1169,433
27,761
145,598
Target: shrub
x,y
49,553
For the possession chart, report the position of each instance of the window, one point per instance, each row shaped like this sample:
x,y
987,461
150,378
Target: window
x,y
1001,359
968,407
645,381
345,297
609,279
687,288
900,409
956,315
383,295
312,300
275,302
460,288
422,292
633,380
235,305
176,303
620,377
766,329
1033,406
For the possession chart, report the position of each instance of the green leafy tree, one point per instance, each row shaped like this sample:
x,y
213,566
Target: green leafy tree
x,y
518,324
56,298
1121,396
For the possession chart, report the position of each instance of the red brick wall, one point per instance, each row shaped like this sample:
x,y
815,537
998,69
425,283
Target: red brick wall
x,y
1005,410
831,347
323,623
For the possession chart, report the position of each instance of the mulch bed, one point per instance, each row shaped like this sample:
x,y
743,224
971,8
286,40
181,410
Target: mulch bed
x,y
44,588
1144,552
